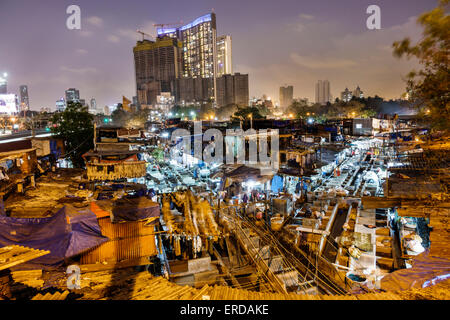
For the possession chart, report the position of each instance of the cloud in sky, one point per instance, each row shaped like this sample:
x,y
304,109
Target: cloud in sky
x,y
113,38
361,57
302,22
321,62
78,70
81,51
95,21
85,33
306,16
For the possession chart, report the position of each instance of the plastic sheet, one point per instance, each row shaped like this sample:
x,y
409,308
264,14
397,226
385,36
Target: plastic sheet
x,y
64,234
425,270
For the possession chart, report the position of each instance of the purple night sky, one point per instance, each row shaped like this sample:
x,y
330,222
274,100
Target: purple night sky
x,y
278,42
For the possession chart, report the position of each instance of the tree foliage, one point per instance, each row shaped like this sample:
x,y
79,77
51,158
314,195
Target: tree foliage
x,y
75,126
245,112
429,87
226,112
336,110
129,119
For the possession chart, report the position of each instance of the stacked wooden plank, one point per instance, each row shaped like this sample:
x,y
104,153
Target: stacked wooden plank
x,y
14,255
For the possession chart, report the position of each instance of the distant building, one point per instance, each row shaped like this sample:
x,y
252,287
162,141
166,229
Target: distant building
x,y
286,96
93,106
135,101
224,56
323,94
346,95
232,89
358,93
72,95
191,90
60,105
24,100
164,102
3,85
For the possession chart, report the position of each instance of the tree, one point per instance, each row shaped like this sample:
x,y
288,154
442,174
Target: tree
x,y
75,126
429,87
137,119
119,116
226,112
244,113
299,109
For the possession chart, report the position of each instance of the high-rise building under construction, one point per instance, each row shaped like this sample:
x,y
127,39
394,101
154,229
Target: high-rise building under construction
x,y
157,65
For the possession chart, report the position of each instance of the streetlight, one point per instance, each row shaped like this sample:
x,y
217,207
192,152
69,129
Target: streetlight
x,y
251,120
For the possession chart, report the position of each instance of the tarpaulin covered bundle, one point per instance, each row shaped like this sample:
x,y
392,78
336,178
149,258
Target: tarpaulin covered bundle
x,y
126,209
66,234
426,270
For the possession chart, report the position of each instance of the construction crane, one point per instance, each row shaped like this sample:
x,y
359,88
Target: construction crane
x,y
143,34
163,25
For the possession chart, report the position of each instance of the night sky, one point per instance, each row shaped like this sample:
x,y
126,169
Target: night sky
x,y
278,42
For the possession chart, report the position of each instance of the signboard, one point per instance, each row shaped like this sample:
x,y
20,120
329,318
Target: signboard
x,y
8,103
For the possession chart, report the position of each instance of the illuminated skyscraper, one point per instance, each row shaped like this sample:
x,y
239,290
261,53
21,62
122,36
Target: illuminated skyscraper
x,y
72,95
346,95
60,105
224,57
199,41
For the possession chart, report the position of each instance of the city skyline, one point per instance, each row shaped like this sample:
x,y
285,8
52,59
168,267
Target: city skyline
x,y
295,43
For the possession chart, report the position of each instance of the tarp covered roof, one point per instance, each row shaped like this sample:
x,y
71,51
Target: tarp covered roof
x,y
426,270
126,209
64,234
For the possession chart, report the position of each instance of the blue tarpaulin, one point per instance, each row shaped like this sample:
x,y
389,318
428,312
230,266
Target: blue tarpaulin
x,y
64,235
277,184
129,209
